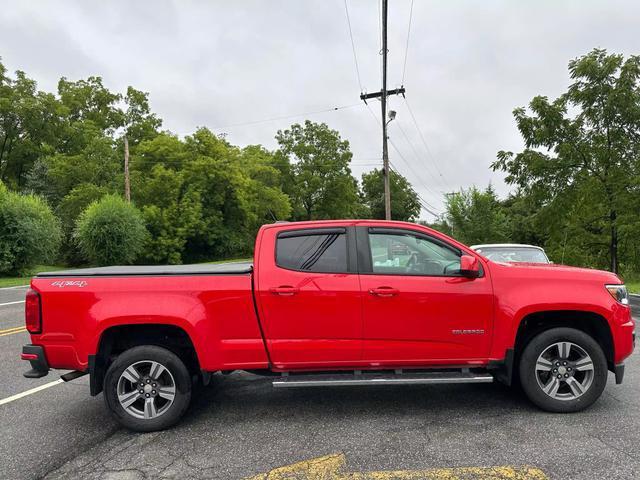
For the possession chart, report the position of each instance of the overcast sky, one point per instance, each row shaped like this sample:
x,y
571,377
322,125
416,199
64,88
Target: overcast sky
x,y
223,63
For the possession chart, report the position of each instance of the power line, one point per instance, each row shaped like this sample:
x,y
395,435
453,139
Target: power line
x,y
404,160
353,45
285,117
415,175
424,142
406,49
436,178
421,201
420,181
380,34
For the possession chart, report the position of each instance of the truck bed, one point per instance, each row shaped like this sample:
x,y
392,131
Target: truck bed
x,y
231,268
210,304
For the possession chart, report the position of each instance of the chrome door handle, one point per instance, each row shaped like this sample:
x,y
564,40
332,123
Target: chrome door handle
x,y
284,290
384,291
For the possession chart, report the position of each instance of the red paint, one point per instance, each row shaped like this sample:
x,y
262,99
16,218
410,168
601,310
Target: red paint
x,y
326,320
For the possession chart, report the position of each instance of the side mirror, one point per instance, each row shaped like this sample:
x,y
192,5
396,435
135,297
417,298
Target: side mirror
x,y
469,266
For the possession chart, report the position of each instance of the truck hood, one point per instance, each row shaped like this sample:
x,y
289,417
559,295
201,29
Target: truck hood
x,y
556,270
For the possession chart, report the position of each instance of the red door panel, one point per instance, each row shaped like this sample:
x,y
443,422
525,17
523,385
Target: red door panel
x,y
310,319
319,324
417,309
428,320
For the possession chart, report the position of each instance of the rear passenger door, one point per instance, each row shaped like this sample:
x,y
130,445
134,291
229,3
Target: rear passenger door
x,y
308,294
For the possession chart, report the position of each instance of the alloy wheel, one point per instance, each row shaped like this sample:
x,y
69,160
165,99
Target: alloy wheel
x,y
146,389
564,371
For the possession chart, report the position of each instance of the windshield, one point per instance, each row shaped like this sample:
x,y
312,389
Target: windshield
x,y
514,254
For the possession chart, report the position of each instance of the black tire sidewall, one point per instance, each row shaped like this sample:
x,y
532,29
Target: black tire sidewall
x,y
180,375
530,356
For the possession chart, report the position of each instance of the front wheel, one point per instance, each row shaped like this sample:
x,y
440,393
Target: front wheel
x,y
563,370
147,388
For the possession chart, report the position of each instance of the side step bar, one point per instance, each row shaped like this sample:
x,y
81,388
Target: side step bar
x,y
391,378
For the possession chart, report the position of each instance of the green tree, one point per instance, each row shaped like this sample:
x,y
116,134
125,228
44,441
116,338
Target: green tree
x,y
97,163
68,211
30,123
527,219
172,212
474,216
405,204
215,172
29,232
267,201
111,231
139,122
321,184
203,198
90,101
582,153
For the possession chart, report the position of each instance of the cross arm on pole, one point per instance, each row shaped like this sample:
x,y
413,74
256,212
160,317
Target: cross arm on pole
x,y
397,91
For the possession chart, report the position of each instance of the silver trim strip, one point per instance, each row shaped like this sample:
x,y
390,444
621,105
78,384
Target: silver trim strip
x,y
339,382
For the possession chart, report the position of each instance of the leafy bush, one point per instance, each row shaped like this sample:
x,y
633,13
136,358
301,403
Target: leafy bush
x,y
29,232
111,231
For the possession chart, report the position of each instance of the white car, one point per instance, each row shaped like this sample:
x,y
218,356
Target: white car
x,y
512,252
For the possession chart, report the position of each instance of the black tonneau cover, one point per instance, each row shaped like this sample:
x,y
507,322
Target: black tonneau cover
x,y
233,268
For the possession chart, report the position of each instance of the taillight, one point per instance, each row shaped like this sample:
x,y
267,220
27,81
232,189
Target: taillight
x,y
33,312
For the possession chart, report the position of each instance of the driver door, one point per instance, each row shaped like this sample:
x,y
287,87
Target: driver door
x,y
417,308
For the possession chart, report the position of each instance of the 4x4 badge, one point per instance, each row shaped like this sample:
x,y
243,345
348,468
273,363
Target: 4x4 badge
x,y
69,283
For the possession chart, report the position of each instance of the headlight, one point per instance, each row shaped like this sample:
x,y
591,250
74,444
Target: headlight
x,y
619,292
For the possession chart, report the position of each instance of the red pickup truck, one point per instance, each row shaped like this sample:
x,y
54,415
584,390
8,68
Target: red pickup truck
x,y
349,302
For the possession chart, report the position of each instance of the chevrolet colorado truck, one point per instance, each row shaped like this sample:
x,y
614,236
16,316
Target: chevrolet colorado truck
x,y
332,303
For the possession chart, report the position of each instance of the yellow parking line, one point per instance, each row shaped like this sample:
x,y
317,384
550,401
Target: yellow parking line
x,y
333,467
11,331
12,328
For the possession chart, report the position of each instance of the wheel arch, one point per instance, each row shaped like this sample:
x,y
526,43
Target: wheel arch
x,y
116,339
591,323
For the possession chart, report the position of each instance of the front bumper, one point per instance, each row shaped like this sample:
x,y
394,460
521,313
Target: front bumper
x,y
35,355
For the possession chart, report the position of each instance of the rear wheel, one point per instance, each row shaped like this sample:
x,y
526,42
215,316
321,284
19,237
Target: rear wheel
x,y
147,388
563,370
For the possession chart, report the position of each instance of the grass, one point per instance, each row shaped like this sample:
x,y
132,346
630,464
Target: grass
x,y
233,260
24,280
633,286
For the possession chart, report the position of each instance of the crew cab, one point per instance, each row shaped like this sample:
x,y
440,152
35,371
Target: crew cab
x,y
351,302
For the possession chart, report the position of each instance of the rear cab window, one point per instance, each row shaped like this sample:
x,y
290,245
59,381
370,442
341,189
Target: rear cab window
x,y
320,250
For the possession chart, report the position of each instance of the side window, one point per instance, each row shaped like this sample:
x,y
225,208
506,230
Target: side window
x,y
325,252
408,254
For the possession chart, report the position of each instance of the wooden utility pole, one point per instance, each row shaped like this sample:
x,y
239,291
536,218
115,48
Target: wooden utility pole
x,y
127,184
383,100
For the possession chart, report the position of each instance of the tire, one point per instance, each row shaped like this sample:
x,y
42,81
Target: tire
x,y
573,355
160,395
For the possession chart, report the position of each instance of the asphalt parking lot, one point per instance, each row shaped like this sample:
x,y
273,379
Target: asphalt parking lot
x,y
240,427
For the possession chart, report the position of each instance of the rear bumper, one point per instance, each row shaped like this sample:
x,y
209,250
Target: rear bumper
x,y
35,355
